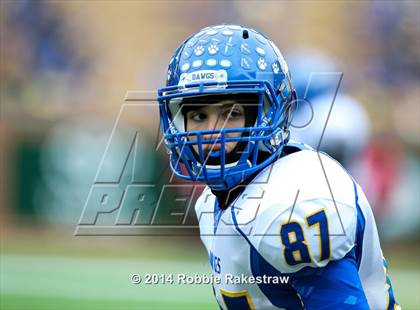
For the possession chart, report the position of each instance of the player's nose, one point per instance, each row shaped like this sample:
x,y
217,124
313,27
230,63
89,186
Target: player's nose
x,y
214,122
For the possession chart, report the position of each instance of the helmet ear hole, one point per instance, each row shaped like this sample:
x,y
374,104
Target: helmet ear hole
x,y
245,34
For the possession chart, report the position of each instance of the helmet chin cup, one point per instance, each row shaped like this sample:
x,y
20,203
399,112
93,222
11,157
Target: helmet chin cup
x,y
213,154
230,180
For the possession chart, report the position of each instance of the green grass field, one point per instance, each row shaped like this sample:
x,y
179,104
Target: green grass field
x,y
44,273
46,282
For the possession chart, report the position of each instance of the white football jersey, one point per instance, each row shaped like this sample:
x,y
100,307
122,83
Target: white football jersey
x,y
301,235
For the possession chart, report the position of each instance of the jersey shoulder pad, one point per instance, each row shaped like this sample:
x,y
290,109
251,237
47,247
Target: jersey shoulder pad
x,y
305,217
310,233
313,174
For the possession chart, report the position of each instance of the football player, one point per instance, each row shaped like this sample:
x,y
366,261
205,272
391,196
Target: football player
x,y
271,207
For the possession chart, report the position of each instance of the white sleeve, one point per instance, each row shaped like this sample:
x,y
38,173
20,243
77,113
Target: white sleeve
x,y
372,270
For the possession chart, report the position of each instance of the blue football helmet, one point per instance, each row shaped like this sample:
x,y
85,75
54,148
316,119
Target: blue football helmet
x,y
226,60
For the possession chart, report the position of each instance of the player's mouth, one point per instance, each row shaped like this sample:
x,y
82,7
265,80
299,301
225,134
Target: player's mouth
x,y
212,147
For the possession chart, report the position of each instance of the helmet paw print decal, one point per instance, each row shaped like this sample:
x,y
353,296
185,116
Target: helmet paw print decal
x,y
262,65
224,47
199,50
213,49
275,68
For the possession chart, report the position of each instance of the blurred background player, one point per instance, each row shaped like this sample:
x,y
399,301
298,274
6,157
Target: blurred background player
x,y
325,105
328,118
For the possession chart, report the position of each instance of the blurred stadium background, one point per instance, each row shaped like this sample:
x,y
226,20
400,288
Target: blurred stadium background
x,y
65,69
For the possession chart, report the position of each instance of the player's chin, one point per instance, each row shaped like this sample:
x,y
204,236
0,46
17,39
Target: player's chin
x,y
230,146
207,149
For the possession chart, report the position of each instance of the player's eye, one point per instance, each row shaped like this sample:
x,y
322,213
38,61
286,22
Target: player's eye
x,y
196,116
233,114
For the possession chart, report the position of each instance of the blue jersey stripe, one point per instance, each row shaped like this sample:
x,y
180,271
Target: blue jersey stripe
x,y
360,228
